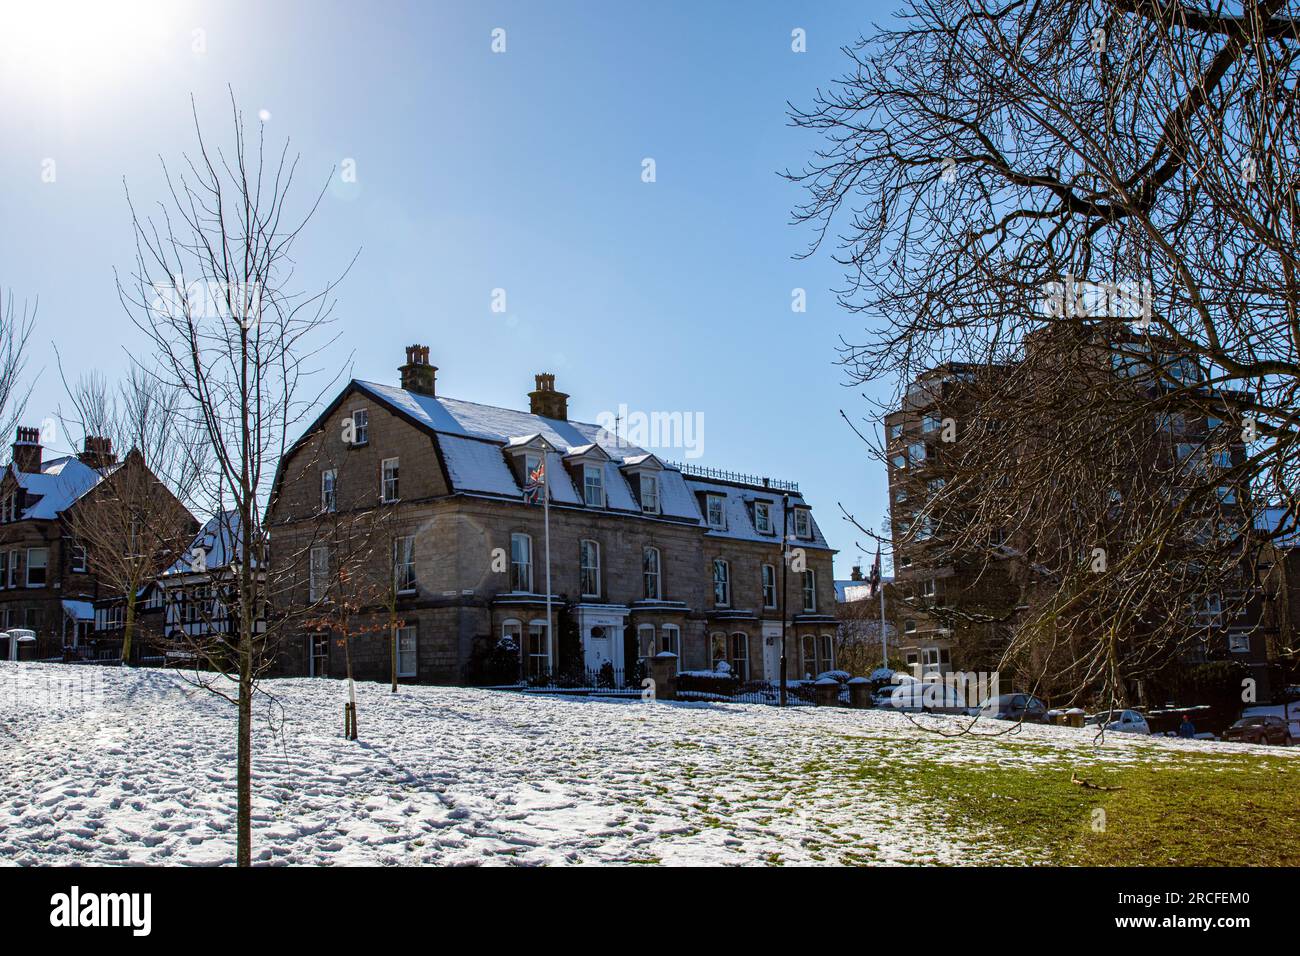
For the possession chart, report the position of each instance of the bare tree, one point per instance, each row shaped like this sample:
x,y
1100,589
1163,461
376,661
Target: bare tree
x,y
15,330
131,525
213,290
1091,205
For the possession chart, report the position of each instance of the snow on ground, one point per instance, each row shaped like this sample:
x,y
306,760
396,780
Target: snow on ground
x,y
110,766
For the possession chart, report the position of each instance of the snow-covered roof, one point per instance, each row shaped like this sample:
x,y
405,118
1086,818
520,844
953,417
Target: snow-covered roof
x,y
220,541
739,515
473,439
58,485
851,590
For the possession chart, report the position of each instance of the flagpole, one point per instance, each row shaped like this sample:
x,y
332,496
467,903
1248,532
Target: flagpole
x,y
884,637
546,524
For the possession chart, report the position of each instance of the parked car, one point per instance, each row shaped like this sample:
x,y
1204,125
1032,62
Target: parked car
x,y
1119,721
921,695
1263,729
1017,707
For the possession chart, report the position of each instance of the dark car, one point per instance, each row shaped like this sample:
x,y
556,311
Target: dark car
x,y
1018,707
1258,730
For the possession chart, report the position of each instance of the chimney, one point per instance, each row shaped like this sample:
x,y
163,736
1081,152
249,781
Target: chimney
x,y
856,573
98,453
27,450
546,401
417,374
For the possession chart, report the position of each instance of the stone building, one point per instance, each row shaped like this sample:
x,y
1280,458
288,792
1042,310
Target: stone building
x,y
646,556
47,579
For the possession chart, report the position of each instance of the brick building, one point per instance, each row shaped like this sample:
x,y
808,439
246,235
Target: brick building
x,y
646,556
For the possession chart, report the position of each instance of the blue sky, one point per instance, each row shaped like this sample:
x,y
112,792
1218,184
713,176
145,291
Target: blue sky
x,y
475,171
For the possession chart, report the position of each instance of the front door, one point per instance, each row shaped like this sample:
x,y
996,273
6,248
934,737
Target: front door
x,y
772,652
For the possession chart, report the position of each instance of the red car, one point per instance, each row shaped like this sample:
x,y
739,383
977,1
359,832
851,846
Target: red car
x,y
1259,730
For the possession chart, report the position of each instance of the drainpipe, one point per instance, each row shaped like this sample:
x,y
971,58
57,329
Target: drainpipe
x,y
785,591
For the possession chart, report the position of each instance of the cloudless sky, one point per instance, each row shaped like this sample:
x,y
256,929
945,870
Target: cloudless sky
x,y
474,171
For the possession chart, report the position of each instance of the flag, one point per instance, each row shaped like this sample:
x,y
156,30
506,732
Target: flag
x,y
874,579
535,483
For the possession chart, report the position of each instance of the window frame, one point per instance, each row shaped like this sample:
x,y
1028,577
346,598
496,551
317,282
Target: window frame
x,y
808,655
329,499
671,634
516,578
588,471
650,504
584,568
360,427
531,667
710,500
738,639
317,592
766,586
810,591
404,547
656,575
763,508
400,633
826,651
723,581
385,479
644,649
44,568
802,523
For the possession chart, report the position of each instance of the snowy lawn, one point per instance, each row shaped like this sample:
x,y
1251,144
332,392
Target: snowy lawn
x,y
109,766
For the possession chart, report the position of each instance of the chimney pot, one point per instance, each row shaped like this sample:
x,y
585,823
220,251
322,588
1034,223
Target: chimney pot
x,y
546,401
27,450
97,452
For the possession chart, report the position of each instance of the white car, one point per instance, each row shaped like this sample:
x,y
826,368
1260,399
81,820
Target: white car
x,y
1120,721
922,695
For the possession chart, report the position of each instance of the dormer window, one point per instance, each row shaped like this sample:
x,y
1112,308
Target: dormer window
x,y
802,523
716,516
762,517
650,494
9,508
593,486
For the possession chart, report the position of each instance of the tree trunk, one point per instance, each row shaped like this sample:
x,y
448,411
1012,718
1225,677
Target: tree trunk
x,y
128,625
244,760
392,639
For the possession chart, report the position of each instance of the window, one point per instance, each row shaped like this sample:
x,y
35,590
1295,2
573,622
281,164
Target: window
x,y
361,427
718,650
717,517
4,569
589,568
404,562
739,659
13,568
930,423
539,650
762,517
406,652
80,560
810,590
650,571
593,486
37,559
895,431
916,451
650,494
1239,642
928,589
808,648
328,484
670,639
110,618
935,659
721,583
388,484
769,586
318,573
828,652
899,461
1227,495
521,563
512,633
802,523
909,626
935,485
645,640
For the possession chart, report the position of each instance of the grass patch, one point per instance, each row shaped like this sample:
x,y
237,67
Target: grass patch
x,y
1171,809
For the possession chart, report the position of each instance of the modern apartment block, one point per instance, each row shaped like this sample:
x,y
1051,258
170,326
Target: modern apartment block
x,y
645,556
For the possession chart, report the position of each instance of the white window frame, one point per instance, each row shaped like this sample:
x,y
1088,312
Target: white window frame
x,y
521,581
513,628
768,586
588,485
411,668
808,655
652,575
79,558
360,427
826,651
589,546
762,517
13,568
645,646
723,581
318,571
329,497
739,664
718,641
404,564
1239,642
802,523
810,590
4,570
386,494
650,494
670,639
44,566
720,502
